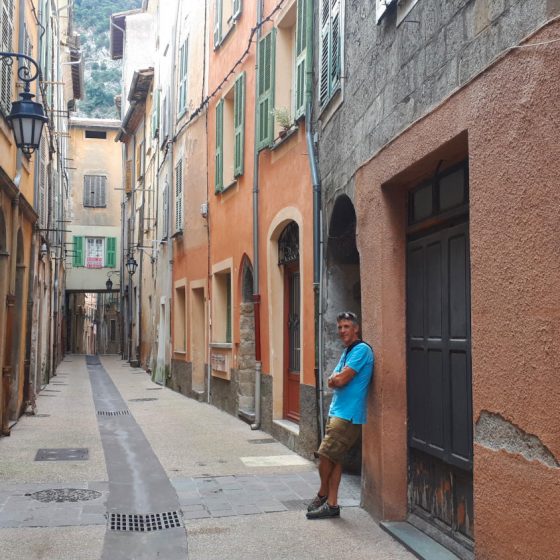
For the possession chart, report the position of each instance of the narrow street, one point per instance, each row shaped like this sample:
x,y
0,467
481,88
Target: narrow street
x,y
109,443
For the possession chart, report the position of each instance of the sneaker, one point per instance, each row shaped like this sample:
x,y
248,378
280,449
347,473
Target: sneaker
x,y
324,512
317,502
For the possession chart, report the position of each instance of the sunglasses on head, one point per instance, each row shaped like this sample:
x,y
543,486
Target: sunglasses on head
x,y
347,316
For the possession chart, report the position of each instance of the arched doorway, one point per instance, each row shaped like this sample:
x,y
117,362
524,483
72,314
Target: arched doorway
x,y
246,356
288,260
342,289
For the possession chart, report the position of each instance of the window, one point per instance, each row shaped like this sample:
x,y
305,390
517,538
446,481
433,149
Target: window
x,y
165,211
446,193
230,135
98,252
403,8
179,196
95,187
179,335
97,134
183,66
331,45
6,36
289,86
94,252
155,113
164,127
226,13
140,152
222,307
265,90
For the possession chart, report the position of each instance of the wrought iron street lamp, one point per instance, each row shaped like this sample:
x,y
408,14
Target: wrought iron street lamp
x,y
27,117
131,265
109,285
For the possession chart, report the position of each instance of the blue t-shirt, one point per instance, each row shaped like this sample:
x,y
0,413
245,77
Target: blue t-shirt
x,y
349,402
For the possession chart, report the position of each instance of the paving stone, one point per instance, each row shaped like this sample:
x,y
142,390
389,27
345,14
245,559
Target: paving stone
x,y
222,513
247,510
269,508
197,514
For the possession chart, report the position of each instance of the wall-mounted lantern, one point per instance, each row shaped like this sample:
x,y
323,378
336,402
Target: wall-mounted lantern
x,y
27,117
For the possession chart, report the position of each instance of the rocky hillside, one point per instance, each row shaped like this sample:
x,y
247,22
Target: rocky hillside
x,y
101,74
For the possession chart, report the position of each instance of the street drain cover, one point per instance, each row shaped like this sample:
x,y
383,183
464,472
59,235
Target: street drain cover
x,y
144,522
64,454
65,495
153,388
145,399
31,415
264,440
112,412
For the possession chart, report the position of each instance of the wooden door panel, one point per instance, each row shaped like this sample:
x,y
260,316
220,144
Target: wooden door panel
x,y
439,379
292,350
438,323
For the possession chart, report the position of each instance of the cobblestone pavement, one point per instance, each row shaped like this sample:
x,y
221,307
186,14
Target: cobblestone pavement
x,y
237,500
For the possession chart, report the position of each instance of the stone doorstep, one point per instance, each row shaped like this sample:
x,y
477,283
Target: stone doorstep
x,y
420,544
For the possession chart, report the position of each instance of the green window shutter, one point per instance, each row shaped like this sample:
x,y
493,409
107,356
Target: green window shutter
x,y
239,124
111,252
179,196
217,23
331,46
265,100
301,39
219,166
155,114
78,259
236,9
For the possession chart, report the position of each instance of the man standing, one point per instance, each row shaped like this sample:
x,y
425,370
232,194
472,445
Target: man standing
x,y
350,381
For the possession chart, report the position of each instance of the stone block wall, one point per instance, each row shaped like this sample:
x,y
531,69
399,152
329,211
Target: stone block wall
x,y
394,75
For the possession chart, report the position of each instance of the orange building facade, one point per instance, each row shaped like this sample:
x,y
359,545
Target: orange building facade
x,y
243,311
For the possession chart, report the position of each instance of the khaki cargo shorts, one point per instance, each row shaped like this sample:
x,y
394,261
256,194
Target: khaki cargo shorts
x,y
340,436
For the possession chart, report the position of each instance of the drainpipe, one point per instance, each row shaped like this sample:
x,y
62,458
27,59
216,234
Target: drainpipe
x,y
317,213
172,126
256,288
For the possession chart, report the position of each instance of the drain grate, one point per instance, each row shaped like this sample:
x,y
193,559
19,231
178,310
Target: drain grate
x,y
144,399
112,412
31,415
65,495
63,454
52,390
146,522
264,440
153,388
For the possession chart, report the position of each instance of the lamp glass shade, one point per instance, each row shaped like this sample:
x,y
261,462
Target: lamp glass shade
x,y
27,119
131,265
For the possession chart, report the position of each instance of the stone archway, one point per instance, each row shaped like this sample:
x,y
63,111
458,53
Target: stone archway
x,y
342,288
246,356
